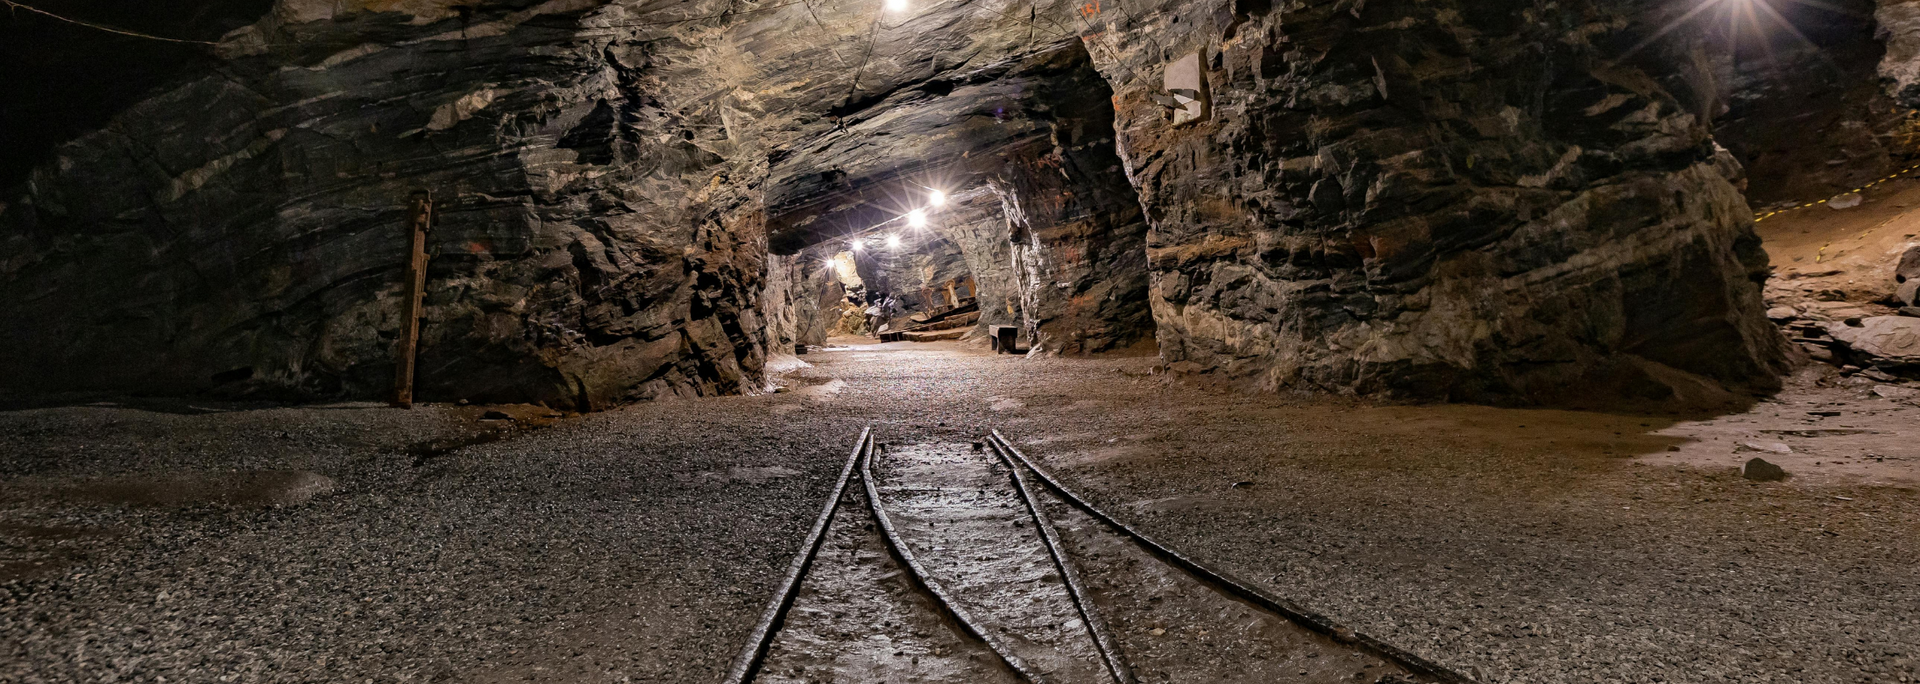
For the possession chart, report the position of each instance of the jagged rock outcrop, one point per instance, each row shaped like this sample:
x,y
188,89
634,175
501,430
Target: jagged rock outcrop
x,y
1899,29
1463,200
1440,199
1803,109
800,303
242,232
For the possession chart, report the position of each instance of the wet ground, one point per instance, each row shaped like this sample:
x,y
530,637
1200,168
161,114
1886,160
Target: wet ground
x,y
640,544
859,617
967,526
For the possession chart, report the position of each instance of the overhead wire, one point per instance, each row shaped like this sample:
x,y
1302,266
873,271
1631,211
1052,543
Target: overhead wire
x,y
11,5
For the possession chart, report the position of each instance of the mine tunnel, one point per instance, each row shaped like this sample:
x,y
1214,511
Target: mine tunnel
x,y
1380,341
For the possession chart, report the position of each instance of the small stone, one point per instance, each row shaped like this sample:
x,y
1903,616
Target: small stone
x,y
1156,631
1768,447
495,415
1759,470
1910,311
1782,313
1846,201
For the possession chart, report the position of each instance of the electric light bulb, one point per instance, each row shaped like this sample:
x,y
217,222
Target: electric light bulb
x,y
859,245
893,241
896,5
937,198
917,218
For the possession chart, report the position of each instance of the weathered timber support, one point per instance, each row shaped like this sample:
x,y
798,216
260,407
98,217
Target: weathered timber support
x,y
419,217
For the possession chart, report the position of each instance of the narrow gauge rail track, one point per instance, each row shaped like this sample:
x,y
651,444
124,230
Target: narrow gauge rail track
x,y
963,546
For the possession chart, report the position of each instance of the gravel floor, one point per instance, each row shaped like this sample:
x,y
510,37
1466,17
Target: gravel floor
x,y
143,543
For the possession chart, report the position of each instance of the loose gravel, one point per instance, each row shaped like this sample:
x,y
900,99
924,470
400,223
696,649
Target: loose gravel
x,y
640,544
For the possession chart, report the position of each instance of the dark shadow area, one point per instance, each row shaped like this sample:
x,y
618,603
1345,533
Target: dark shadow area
x,y
64,79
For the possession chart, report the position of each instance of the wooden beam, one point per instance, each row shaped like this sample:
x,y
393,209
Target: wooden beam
x,y
419,217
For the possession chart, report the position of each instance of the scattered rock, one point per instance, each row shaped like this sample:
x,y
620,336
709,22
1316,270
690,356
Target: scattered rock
x,y
1886,342
1909,267
1759,470
495,415
1846,201
1768,447
1782,313
1910,311
1895,392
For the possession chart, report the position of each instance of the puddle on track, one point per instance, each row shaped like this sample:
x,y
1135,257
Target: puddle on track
x,y
958,511
860,618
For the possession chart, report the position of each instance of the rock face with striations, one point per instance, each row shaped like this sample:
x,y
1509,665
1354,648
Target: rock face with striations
x,y
1459,200
1438,199
243,232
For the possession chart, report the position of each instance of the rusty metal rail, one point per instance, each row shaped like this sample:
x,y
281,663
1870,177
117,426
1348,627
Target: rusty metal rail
x,y
747,664
1245,590
1103,639
933,586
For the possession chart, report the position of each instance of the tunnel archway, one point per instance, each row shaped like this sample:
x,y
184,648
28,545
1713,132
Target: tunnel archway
x,y
1039,223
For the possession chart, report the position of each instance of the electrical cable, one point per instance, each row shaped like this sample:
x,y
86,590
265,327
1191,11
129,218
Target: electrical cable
x,y
11,5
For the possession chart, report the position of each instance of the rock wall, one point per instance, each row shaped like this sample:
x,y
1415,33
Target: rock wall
x,y
1804,110
586,250
1453,200
1077,236
800,303
1486,201
979,228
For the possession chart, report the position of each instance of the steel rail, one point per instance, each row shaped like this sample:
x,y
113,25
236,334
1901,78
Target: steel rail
x,y
1241,588
1109,647
747,664
933,586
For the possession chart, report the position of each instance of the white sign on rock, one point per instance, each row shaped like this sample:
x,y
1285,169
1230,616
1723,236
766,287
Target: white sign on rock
x,y
1188,85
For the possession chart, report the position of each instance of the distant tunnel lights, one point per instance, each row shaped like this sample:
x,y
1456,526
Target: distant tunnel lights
x,y
937,198
859,244
917,218
893,241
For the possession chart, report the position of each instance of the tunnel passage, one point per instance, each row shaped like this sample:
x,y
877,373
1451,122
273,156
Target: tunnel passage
x,y
1037,216
636,200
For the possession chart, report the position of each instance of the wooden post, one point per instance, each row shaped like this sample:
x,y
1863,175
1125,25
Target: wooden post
x,y
952,298
419,217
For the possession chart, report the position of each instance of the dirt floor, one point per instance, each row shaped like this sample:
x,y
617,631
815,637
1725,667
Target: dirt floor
x,y
198,542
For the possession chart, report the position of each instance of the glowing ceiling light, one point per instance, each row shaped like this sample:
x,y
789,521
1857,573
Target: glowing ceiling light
x,y
896,5
858,245
937,198
893,241
917,218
